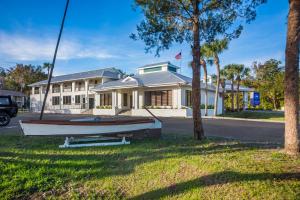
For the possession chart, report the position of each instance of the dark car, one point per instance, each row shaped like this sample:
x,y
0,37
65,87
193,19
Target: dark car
x,y
8,109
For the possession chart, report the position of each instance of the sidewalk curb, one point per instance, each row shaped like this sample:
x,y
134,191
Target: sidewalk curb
x,y
242,119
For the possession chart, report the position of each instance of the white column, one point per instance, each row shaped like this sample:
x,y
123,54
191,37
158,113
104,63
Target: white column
x,y
73,86
97,100
179,103
135,99
174,98
114,99
119,100
141,99
32,90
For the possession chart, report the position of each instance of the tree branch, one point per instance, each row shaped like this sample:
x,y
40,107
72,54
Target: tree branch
x,y
186,10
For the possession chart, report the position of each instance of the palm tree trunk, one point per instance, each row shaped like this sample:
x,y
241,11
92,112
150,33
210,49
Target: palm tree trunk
x,y
223,95
217,86
237,96
203,63
232,96
196,97
291,95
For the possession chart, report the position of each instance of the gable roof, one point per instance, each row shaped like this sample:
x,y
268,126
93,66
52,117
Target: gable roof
x,y
107,72
147,80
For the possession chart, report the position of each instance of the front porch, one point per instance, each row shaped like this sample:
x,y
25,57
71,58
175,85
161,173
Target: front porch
x,y
162,101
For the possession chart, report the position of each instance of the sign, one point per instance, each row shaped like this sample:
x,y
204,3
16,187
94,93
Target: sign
x,y
255,98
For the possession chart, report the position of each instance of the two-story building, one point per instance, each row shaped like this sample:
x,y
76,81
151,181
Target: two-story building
x,y
159,87
71,93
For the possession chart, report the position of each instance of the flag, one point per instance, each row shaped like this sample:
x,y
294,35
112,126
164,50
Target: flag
x,y
178,56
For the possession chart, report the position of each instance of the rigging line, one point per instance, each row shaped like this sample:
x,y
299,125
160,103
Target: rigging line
x,y
53,61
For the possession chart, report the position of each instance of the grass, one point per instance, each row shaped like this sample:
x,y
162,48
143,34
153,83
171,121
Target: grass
x,y
271,116
169,168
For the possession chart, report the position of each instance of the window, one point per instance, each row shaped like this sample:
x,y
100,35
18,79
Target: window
x,y
152,69
172,69
158,98
55,101
125,97
188,98
105,99
67,100
4,101
77,99
56,89
67,87
36,90
44,89
80,86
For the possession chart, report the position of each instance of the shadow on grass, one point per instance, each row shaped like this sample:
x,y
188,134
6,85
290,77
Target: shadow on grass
x,y
215,179
39,162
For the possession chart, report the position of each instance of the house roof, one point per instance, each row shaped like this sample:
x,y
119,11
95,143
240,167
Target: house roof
x,y
11,93
107,72
147,80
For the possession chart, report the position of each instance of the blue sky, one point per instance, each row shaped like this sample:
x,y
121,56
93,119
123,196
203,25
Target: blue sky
x,y
97,33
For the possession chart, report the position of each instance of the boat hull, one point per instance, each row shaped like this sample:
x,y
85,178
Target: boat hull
x,y
57,128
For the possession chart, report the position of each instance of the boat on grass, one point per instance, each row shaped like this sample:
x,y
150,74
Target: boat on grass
x,y
94,129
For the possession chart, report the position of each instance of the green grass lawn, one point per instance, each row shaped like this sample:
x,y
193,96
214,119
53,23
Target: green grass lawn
x,y
272,116
168,168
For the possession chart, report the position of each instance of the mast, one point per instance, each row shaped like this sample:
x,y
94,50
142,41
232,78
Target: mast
x,y
53,61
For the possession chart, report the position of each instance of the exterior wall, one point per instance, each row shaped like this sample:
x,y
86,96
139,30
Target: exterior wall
x,y
36,100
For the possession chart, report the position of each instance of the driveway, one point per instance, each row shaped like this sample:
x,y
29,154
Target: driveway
x,y
247,131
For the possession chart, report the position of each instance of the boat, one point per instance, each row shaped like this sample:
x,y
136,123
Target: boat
x,y
103,128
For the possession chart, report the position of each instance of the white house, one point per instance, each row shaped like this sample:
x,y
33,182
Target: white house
x,y
158,86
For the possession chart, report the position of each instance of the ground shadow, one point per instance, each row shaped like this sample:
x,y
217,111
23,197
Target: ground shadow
x,y
215,179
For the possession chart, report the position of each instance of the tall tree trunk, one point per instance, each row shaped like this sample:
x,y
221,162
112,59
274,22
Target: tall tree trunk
x,y
216,58
223,95
237,96
291,95
196,97
203,63
232,96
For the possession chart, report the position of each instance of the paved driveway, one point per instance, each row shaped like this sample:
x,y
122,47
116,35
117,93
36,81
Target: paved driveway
x,y
235,129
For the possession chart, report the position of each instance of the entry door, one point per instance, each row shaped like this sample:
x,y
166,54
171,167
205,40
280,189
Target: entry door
x,y
91,103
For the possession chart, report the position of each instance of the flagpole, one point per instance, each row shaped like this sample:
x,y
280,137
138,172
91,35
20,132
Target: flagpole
x,y
54,58
180,58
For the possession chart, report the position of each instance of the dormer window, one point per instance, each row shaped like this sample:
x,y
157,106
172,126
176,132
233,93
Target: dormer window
x,y
172,69
153,69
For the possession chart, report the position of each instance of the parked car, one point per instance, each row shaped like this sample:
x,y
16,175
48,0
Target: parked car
x,y
8,109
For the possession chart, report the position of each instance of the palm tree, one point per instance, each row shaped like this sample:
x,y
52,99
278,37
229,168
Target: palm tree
x,y
229,75
211,51
203,64
240,73
47,66
291,84
223,84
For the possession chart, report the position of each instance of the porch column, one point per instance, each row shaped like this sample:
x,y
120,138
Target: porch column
x,y
245,100
32,90
114,99
119,100
73,86
135,99
97,99
141,99
179,94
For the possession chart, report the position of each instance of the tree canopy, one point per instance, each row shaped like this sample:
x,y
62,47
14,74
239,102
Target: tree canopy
x,y
18,78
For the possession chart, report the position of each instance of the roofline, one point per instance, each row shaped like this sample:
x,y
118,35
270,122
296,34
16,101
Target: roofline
x,y
36,84
154,64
